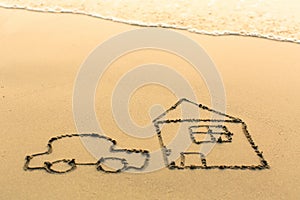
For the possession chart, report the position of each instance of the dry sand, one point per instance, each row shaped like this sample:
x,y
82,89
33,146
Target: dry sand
x,y
40,57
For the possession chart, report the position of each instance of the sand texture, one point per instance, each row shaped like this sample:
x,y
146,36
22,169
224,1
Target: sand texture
x,y
41,54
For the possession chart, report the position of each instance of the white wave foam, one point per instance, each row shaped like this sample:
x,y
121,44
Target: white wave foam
x,y
277,19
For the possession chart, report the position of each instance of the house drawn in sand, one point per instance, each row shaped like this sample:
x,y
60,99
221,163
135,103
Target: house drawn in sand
x,y
204,138
191,136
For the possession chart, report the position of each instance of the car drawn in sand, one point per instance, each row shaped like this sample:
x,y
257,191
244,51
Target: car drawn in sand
x,y
110,159
228,135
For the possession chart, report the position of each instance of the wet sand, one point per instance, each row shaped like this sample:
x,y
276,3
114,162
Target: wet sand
x,y
40,57
273,19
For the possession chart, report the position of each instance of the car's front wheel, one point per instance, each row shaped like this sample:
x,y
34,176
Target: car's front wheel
x,y
112,165
60,166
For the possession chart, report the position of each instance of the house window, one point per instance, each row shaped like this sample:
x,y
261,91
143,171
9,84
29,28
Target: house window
x,y
210,134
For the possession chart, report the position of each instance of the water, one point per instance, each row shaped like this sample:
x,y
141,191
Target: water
x,y
273,19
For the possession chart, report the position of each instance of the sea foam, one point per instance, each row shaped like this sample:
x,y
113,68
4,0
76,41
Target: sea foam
x,y
273,19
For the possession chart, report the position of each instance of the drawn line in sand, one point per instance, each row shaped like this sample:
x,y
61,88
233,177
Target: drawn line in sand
x,y
213,123
216,129
71,164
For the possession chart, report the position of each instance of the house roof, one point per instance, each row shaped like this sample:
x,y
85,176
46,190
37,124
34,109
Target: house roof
x,y
191,111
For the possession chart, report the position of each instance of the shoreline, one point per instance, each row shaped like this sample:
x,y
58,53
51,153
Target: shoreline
x,y
41,56
216,33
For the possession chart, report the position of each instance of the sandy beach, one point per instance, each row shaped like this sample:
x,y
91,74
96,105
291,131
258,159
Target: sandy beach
x,y
41,54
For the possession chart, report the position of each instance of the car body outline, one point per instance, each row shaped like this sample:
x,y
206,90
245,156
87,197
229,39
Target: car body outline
x,y
99,164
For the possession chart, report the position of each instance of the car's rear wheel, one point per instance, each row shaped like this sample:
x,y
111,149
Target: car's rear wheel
x,y
112,165
60,166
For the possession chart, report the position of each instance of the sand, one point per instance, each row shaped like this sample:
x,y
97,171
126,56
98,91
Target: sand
x,y
41,54
275,19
